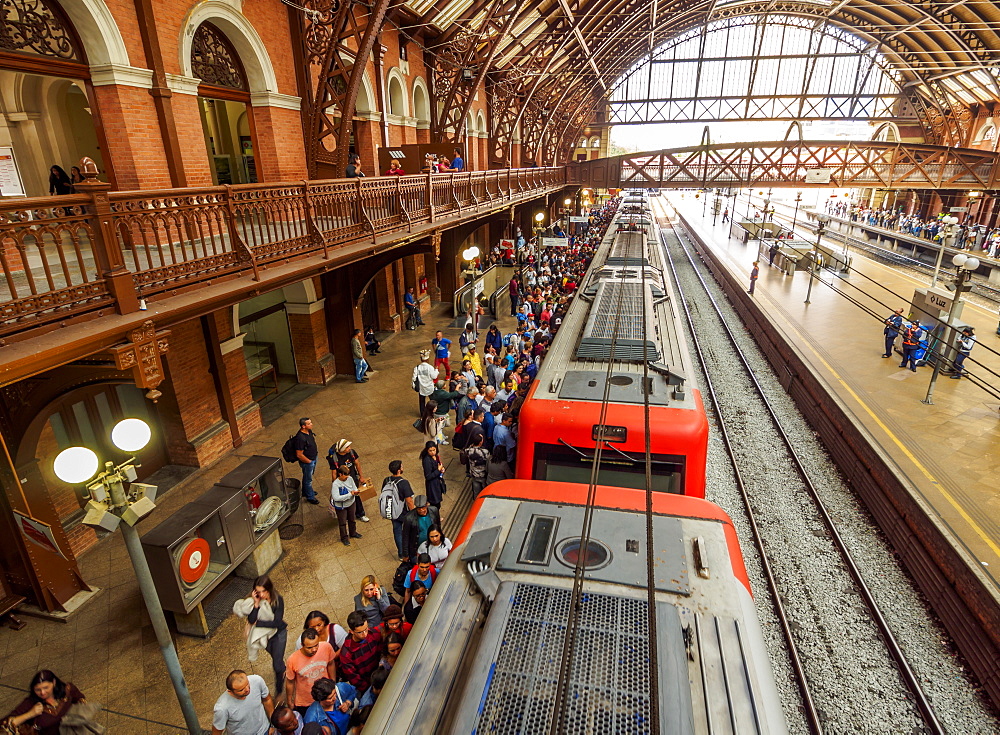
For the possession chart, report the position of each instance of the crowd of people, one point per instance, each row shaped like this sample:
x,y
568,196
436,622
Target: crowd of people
x,y
329,682
968,235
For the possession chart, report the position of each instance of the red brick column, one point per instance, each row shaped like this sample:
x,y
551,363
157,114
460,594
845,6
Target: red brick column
x,y
280,155
234,380
129,121
430,270
310,342
343,316
389,318
190,409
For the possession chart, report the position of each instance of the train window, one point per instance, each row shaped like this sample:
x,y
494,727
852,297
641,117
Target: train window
x,y
562,464
592,554
538,540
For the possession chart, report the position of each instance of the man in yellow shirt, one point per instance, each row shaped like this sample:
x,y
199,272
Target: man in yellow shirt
x,y
475,359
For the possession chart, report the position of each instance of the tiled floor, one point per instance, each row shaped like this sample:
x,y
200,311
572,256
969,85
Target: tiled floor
x,y
950,450
108,649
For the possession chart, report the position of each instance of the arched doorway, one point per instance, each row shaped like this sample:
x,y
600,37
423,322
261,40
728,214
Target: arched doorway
x,y
224,104
46,97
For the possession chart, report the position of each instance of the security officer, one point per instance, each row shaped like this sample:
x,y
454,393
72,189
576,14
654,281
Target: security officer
x,y
911,343
966,341
893,325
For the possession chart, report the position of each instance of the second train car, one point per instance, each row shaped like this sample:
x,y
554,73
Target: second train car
x,y
564,419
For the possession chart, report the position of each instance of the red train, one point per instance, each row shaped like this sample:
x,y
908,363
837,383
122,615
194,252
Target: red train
x,y
484,655
563,418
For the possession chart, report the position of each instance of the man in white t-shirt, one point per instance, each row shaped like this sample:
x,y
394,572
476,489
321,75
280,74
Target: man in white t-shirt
x,y
244,708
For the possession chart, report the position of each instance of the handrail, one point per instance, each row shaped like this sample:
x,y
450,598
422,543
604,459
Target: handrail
x,y
78,254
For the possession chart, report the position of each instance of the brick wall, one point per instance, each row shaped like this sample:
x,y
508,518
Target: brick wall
x,y
193,427
311,347
133,136
280,152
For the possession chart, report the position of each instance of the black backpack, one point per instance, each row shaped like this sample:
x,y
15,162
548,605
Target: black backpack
x,y
399,578
288,450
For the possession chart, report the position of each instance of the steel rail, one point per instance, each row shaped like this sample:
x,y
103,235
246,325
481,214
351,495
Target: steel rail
x,y
888,638
811,713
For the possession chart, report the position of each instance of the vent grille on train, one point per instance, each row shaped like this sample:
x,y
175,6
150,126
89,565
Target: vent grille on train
x,y
608,687
628,250
622,304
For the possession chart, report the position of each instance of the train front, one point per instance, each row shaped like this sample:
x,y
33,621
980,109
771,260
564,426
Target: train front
x,y
494,640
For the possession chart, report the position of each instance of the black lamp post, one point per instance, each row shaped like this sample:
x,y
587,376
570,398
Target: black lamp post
x,y
821,220
964,268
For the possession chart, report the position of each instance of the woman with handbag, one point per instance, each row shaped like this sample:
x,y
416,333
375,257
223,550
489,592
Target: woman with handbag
x,y
342,496
434,486
43,710
428,422
266,629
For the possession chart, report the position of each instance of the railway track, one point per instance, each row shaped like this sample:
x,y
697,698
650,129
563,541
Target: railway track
x,y
840,645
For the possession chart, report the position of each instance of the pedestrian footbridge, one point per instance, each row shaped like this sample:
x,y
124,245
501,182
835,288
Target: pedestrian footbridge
x,y
796,164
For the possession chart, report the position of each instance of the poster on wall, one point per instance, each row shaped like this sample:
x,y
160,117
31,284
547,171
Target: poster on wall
x,y
38,533
10,177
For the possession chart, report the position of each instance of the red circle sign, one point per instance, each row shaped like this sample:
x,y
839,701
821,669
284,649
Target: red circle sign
x,y
192,562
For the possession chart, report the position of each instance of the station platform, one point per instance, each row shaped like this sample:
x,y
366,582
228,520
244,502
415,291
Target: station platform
x,y
108,649
950,451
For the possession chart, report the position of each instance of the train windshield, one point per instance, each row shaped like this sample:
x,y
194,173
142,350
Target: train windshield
x,y
564,464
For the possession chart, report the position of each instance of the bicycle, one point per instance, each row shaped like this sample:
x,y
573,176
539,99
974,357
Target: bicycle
x,y
413,317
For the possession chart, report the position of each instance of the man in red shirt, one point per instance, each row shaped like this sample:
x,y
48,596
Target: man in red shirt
x,y
314,661
360,654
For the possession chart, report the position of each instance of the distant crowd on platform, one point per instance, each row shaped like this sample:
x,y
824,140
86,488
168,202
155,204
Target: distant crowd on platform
x,y
966,236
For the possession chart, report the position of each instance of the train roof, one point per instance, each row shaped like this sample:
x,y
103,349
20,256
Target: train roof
x,y
485,654
629,273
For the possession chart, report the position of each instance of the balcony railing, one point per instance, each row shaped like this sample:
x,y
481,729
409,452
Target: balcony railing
x,y
72,255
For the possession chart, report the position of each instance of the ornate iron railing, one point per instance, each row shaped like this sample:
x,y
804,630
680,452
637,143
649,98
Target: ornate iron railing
x,y
66,256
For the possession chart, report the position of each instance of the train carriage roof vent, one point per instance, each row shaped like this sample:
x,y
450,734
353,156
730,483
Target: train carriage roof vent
x,y
622,304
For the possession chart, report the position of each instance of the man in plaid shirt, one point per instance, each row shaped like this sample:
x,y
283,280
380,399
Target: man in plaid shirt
x,y
361,652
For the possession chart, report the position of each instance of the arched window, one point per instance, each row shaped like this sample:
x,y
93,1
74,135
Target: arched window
x,y
988,132
396,98
214,60
595,142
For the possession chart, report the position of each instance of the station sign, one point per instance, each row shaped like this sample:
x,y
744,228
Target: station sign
x,y
575,218
555,242
818,175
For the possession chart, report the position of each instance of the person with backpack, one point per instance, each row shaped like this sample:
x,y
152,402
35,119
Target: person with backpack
x,y
477,459
395,500
424,376
417,523
423,571
301,447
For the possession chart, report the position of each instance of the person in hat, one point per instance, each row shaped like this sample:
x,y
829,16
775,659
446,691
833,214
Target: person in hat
x,y
966,341
417,523
424,376
342,453
392,622
475,359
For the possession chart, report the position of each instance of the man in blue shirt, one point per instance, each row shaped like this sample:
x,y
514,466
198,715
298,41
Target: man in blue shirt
x,y
503,435
440,343
457,164
411,303
334,704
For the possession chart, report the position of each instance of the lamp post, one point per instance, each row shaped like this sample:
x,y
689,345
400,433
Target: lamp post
x,y
111,506
946,233
964,268
716,205
767,201
821,220
795,216
470,254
